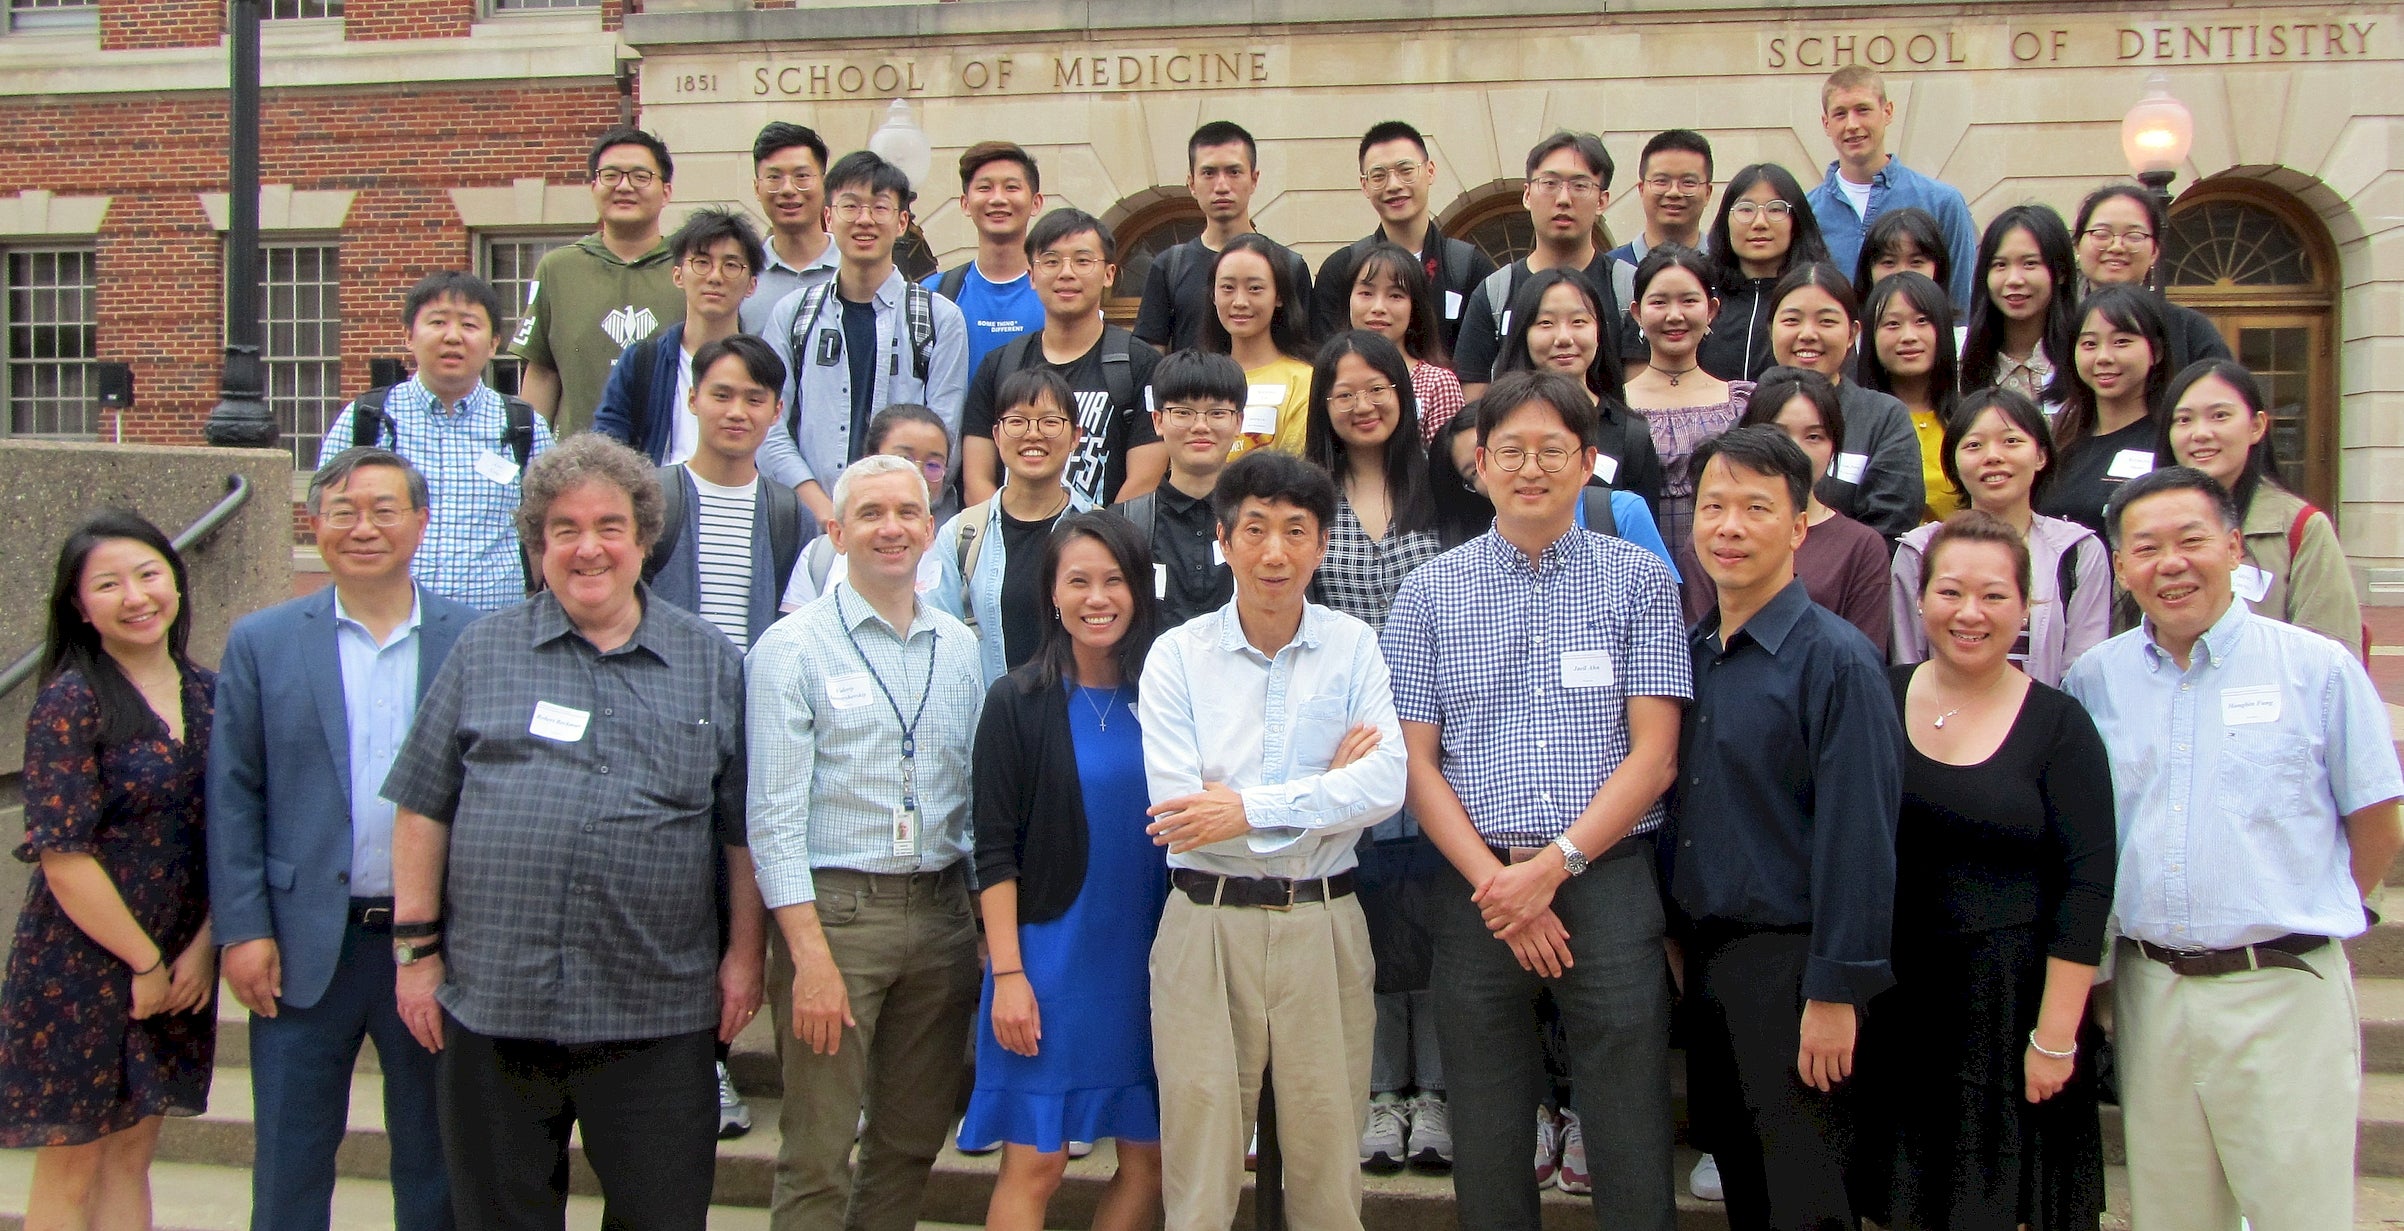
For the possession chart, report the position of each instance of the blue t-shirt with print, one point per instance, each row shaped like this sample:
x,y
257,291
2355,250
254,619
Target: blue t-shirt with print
x,y
996,311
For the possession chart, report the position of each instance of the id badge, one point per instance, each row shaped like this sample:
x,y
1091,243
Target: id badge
x,y
905,833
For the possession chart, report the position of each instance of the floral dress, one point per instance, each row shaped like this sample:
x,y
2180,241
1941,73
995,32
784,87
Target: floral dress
x,y
74,1065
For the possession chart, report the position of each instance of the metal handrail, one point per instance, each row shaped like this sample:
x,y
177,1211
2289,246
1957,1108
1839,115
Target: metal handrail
x,y
237,493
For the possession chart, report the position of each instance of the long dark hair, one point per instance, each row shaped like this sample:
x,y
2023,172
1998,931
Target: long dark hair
x,y
1987,323
1604,378
2130,309
1462,511
1286,324
1405,462
1909,223
2261,458
1807,245
1929,299
1055,661
1421,339
72,644
2017,410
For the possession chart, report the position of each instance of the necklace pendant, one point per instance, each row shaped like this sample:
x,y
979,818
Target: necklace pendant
x,y
1941,721
1673,379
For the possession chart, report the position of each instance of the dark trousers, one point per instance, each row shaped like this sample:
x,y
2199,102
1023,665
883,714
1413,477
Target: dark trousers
x,y
1614,1006
1782,1146
648,1109
301,1061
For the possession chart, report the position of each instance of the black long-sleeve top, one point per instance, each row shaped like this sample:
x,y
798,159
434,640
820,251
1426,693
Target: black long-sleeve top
x,y
1028,808
2025,836
1789,779
1738,346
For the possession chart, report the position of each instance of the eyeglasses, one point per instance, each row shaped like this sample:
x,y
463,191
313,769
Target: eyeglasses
x,y
1370,394
348,519
733,267
2102,237
611,177
1020,425
1688,184
1510,458
1083,264
1743,211
774,181
1183,416
932,467
1404,172
850,211
1578,185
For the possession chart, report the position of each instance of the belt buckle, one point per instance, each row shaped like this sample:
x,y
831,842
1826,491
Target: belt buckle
x,y
375,916
1289,897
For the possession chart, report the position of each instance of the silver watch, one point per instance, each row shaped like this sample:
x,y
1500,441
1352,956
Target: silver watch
x,y
1571,857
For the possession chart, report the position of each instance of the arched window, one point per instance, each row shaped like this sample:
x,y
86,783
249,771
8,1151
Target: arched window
x,y
1142,236
1493,220
2255,260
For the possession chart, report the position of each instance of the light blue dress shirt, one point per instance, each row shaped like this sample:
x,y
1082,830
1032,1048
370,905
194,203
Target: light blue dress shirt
x,y
379,701
1899,187
2233,779
819,393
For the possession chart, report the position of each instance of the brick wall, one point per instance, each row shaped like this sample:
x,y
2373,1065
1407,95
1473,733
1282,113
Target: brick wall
x,y
159,262
376,20
161,23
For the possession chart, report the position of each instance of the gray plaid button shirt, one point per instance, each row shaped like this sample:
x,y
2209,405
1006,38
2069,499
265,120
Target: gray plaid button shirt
x,y
580,903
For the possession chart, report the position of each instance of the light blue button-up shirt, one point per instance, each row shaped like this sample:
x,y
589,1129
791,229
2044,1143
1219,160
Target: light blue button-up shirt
x,y
2233,779
379,701
818,394
826,746
1217,710
1894,187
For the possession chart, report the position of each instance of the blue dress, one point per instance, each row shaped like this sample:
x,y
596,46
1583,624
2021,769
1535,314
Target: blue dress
x,y
1091,1077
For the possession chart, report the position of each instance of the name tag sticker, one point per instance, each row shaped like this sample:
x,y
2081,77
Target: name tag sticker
x,y
558,722
1503,330
2245,707
1261,404
1452,305
905,832
1606,467
846,692
2252,584
1160,581
1586,669
1849,466
497,468
1151,407
2131,463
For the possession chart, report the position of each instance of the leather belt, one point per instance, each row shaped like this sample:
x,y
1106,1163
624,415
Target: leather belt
x,y
1264,892
372,914
2285,952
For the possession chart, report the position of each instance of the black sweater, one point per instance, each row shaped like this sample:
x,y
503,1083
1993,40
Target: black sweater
x,y
1029,807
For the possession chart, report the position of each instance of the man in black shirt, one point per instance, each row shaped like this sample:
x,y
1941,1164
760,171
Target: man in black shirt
x,y
1569,184
1069,255
1198,403
1222,171
1398,175
1783,864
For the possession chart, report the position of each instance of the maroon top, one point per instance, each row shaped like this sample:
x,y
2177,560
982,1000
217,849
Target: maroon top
x,y
1843,563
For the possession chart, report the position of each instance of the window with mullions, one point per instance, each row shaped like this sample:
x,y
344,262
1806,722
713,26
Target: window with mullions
x,y
509,262
50,334
300,293
53,14
296,9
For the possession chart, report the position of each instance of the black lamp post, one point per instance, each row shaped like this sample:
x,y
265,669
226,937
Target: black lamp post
x,y
240,418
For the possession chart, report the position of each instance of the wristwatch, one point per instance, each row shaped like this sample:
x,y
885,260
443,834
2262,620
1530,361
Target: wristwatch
x,y
406,952
1572,858
417,931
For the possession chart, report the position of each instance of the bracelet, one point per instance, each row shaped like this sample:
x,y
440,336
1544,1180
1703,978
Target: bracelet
x,y
162,960
1015,970
2049,1053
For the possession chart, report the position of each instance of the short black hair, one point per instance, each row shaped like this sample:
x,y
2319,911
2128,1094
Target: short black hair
x,y
1390,130
779,135
900,413
1682,139
1063,223
1589,148
1030,386
1781,384
1190,376
759,360
2018,410
707,227
338,469
628,135
1566,396
2159,482
1764,450
861,169
1222,132
451,284
974,158
1912,223
1272,477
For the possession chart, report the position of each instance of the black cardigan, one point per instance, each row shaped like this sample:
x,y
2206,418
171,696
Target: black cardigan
x,y
1030,805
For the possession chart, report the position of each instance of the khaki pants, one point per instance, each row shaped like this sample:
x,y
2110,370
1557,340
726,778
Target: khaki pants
x,y
1239,989
2240,1093
907,947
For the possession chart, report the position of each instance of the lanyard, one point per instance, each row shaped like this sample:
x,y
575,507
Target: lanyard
x,y
909,726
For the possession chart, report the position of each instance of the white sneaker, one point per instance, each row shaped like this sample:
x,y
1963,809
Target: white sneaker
x,y
1431,1133
1573,1177
972,1151
1548,1148
1382,1150
734,1116
1079,1149
1705,1182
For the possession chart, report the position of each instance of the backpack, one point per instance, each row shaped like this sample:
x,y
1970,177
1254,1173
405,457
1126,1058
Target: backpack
x,y
784,528
1599,517
953,282
1143,512
2295,542
371,423
1452,261
971,547
1498,287
1118,363
918,311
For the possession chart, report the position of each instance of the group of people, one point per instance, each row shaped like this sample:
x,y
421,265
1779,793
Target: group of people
x,y
1689,644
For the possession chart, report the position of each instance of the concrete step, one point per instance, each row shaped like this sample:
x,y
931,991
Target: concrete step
x,y
2379,953
2379,1129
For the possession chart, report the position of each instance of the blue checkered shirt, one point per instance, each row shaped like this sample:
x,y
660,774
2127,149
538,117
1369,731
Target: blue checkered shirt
x,y
1475,644
470,552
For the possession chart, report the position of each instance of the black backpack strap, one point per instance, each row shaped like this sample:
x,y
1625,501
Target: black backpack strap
x,y
784,535
1452,267
953,282
1144,512
1118,369
805,319
1599,517
671,527
918,307
2065,575
1015,351
644,355
370,423
519,434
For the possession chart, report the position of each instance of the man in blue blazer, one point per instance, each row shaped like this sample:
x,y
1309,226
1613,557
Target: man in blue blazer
x,y
313,701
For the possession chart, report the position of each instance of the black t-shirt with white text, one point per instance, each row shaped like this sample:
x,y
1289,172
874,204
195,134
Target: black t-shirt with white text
x,y
1098,468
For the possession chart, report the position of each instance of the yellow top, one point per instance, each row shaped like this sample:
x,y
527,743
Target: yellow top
x,y
1942,503
1285,384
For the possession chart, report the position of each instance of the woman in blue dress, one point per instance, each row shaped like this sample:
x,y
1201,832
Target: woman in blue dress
x,y
1072,893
